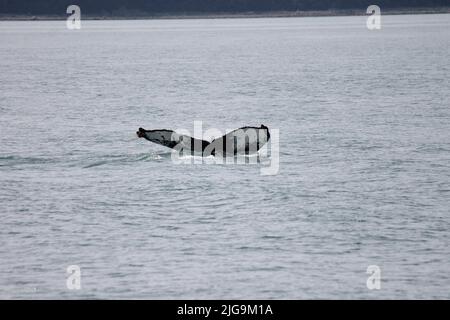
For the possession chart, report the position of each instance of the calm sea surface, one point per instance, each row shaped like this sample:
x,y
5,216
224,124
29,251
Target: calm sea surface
x,y
364,178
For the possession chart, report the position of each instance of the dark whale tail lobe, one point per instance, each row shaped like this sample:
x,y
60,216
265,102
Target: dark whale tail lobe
x,y
171,139
242,141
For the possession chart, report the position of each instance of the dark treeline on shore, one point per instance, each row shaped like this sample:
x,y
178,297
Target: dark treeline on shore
x,y
140,7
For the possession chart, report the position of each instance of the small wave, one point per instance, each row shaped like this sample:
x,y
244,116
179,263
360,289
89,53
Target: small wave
x,y
11,161
91,161
126,158
95,164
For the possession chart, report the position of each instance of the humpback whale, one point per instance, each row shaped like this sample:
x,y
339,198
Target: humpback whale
x,y
242,141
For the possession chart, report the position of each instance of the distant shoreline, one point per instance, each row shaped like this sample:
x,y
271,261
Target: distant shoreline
x,y
277,14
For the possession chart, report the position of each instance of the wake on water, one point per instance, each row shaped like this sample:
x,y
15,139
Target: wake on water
x,y
89,160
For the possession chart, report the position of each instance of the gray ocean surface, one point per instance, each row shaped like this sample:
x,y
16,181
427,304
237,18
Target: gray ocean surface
x,y
364,175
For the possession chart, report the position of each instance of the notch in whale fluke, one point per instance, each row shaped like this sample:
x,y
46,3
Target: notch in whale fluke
x,y
245,140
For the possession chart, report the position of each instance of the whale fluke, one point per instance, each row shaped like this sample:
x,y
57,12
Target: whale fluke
x,y
242,141
171,139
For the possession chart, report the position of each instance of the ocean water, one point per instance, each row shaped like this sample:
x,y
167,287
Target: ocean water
x,y
364,149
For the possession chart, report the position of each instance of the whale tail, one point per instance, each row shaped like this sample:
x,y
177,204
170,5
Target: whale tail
x,y
245,140
173,140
